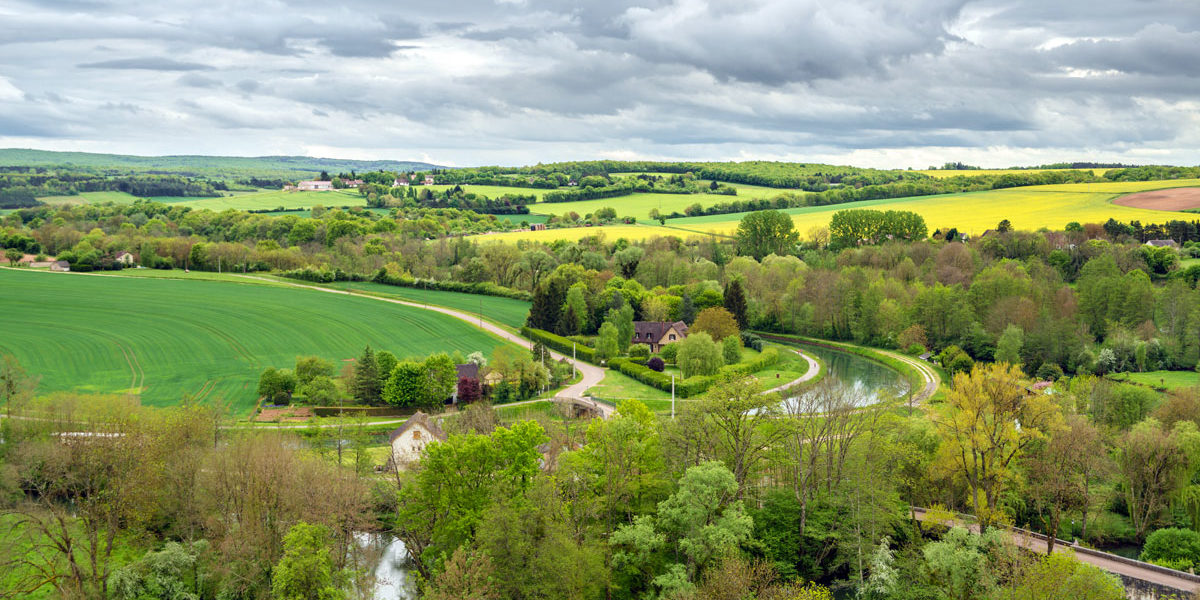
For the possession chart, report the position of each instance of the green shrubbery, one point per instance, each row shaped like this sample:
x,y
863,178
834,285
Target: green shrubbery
x,y
560,343
693,386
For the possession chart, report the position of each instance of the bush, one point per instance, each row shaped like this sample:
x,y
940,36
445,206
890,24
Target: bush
x,y
731,350
752,340
692,386
669,352
560,343
656,364
1049,372
639,351
915,350
1172,545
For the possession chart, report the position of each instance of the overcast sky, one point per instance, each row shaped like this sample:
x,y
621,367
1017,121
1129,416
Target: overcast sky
x,y
884,83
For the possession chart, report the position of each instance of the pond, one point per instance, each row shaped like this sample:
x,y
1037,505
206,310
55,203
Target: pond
x,y
867,380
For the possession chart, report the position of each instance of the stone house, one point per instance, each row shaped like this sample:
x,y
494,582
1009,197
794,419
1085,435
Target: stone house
x,y
409,440
656,334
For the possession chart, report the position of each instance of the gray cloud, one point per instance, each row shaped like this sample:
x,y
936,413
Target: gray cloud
x,y
148,63
480,81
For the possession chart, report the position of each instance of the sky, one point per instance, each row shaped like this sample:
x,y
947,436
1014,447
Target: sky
x,y
875,83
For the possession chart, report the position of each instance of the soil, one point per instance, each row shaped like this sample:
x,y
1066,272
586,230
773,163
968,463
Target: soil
x,y
1175,199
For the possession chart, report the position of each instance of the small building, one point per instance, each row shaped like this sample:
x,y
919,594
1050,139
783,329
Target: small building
x,y
537,226
400,182
927,357
352,183
428,180
1162,243
314,186
60,265
656,334
409,440
125,258
493,377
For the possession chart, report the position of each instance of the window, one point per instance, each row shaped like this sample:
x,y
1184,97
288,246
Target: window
x,y
671,337
416,435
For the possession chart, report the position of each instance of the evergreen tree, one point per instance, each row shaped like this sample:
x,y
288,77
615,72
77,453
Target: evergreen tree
x,y
548,300
687,309
367,386
735,303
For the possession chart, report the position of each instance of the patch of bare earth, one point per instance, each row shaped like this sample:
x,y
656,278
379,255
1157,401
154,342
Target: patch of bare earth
x,y
1175,199
289,414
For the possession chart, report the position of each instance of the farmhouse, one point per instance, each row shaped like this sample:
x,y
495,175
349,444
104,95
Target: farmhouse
x,y
658,333
409,440
400,182
1162,243
429,180
125,258
352,183
314,186
60,265
537,227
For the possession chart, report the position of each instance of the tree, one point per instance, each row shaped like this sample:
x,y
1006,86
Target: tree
x,y
1153,463
627,260
958,564
441,377
13,255
575,310
698,354
1061,575
702,521
988,420
731,350
367,385
311,367
1008,348
687,309
321,391
717,322
1005,226
1058,473
406,385
276,385
306,571
734,418
466,576
766,232
622,319
735,303
548,298
384,363
608,344
468,390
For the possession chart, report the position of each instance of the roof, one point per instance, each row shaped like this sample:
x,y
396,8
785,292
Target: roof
x,y
1162,243
469,370
421,419
1041,385
123,254
657,329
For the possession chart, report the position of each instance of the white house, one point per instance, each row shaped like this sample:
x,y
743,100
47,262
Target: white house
x,y
314,186
409,440
125,258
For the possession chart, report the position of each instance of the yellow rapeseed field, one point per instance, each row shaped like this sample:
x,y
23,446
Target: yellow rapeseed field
x,y
1028,208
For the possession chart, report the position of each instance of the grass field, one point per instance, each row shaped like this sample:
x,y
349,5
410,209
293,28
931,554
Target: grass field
x,y
1027,208
1163,379
940,174
168,338
91,198
266,200
506,311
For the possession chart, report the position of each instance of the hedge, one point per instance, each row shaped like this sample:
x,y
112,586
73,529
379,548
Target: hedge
x,y
697,384
382,276
366,411
560,343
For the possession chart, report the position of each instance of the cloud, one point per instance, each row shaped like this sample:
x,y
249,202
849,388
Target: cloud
x,y
148,63
487,82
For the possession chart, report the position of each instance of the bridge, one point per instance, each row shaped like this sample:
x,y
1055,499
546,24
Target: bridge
x,y
1143,581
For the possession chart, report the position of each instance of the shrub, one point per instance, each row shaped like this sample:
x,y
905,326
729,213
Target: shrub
x,y
915,350
699,354
752,340
1172,545
560,343
1049,372
639,351
731,350
669,352
656,364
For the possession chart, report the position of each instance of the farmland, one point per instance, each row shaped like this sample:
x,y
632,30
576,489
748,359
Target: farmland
x,y
166,338
1027,208
91,198
944,173
267,200
506,311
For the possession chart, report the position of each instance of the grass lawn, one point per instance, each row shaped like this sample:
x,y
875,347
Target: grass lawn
x,y
789,368
164,338
1187,262
1170,380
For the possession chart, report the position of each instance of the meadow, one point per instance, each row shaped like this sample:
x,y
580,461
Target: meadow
x,y
505,311
166,339
943,174
1028,208
91,198
269,199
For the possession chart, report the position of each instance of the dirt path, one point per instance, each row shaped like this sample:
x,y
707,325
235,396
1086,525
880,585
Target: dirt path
x,y
813,369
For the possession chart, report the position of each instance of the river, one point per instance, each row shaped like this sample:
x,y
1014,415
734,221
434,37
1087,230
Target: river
x,y
867,380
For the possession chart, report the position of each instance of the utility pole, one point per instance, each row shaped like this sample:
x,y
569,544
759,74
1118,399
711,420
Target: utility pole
x,y
672,396
574,370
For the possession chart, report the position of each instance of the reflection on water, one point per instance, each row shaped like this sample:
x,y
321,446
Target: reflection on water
x,y
867,380
394,572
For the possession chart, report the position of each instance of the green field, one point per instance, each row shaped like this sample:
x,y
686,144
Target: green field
x,y
1028,208
168,338
91,198
506,311
942,174
269,199
1162,379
